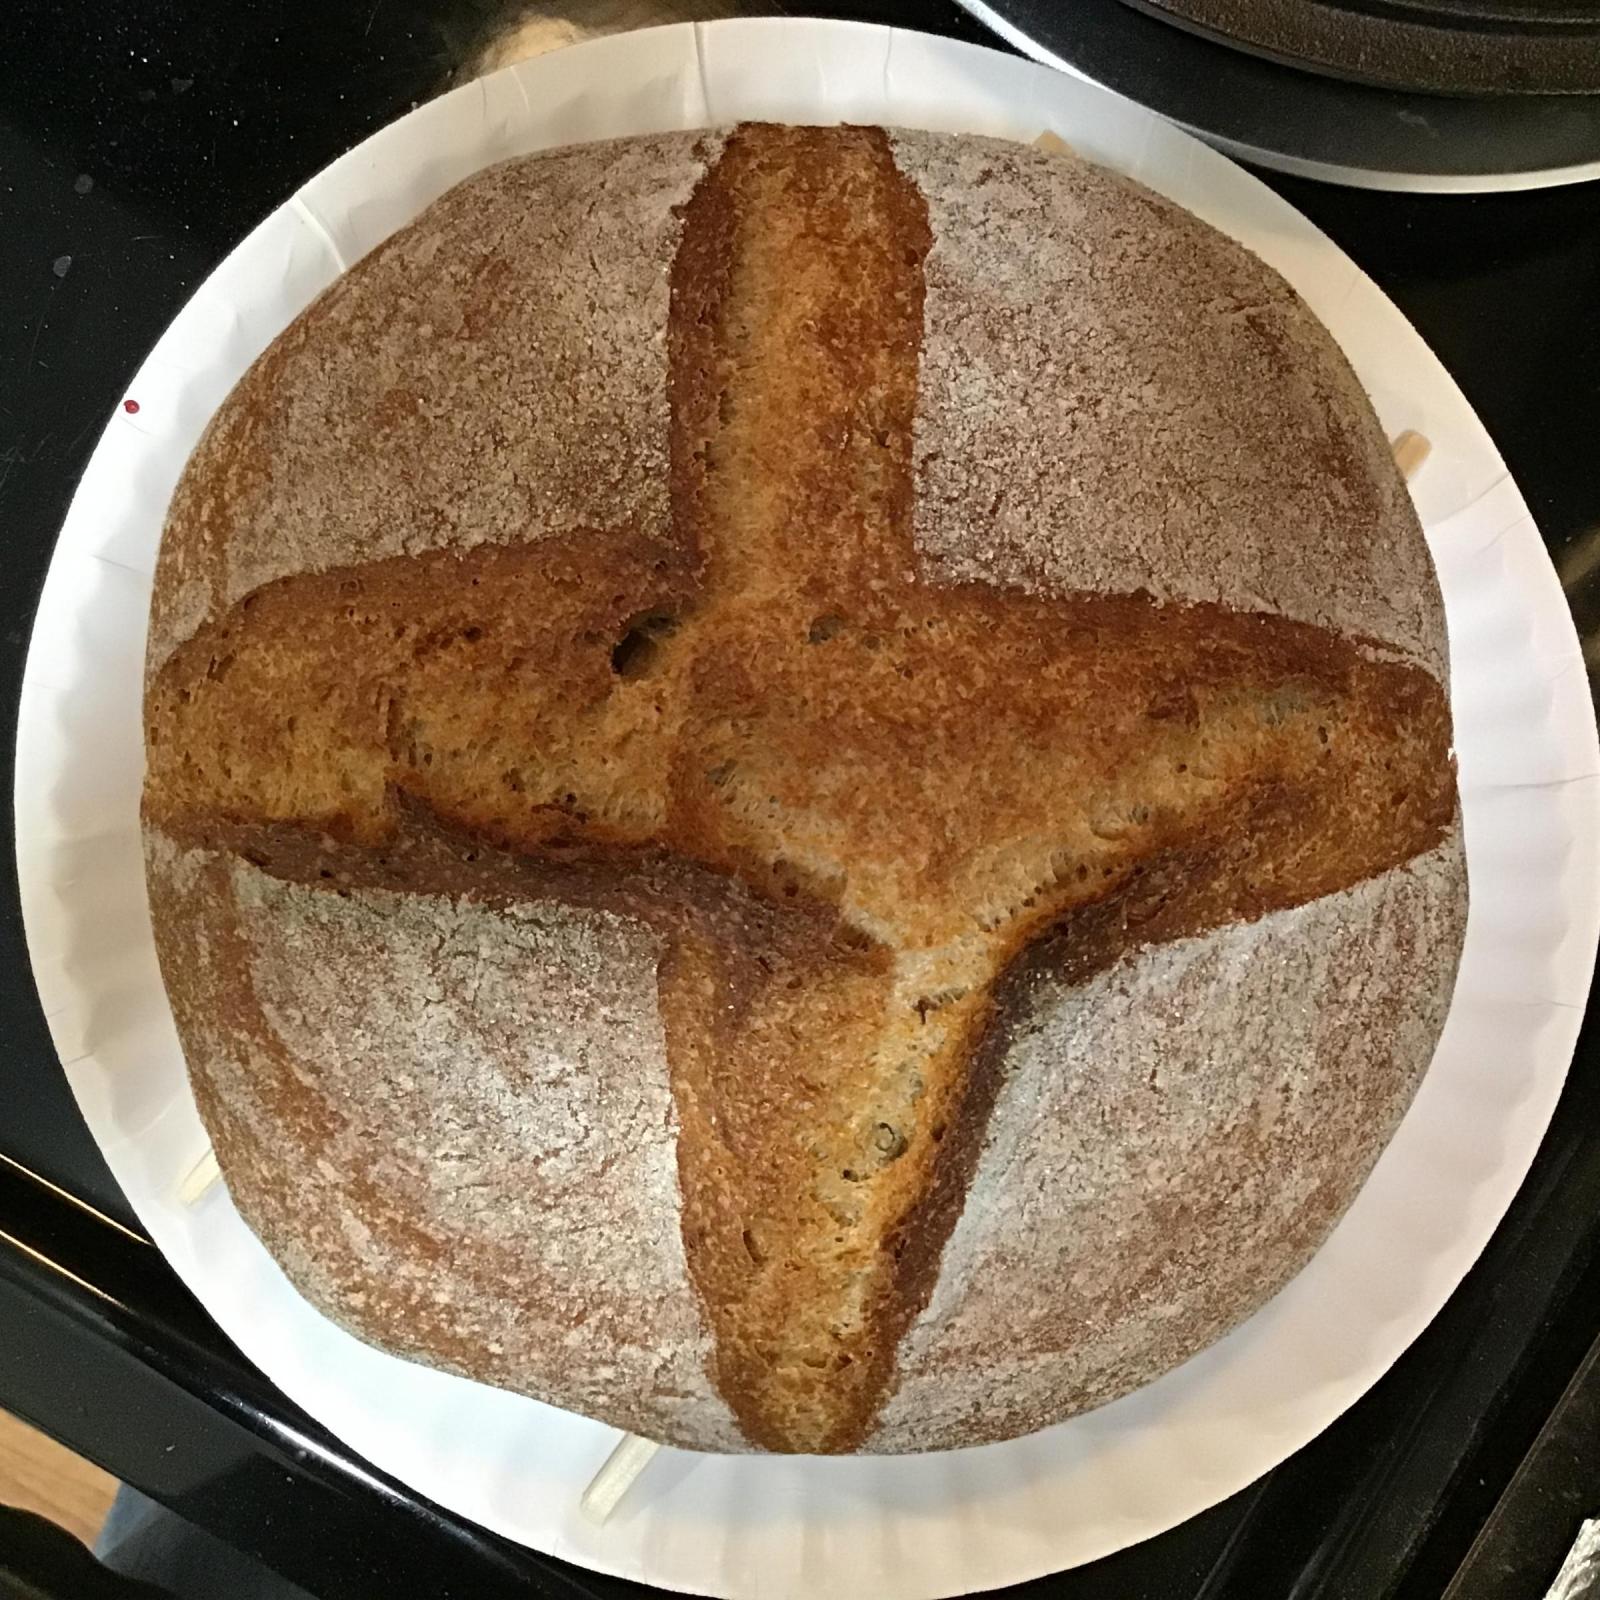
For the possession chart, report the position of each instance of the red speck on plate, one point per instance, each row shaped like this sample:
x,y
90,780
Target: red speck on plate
x,y
130,406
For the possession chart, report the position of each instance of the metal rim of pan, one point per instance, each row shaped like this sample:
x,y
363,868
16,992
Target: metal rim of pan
x,y
1308,123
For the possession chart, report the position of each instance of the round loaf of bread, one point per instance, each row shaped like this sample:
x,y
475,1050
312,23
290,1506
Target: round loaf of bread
x,y
799,787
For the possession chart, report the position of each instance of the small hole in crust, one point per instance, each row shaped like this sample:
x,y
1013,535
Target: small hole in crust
x,y
633,653
636,652
824,628
888,1141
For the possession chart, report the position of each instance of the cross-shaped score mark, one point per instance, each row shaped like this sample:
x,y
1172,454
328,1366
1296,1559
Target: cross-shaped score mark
x,y
863,813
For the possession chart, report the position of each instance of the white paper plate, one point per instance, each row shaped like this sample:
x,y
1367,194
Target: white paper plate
x,y
886,1527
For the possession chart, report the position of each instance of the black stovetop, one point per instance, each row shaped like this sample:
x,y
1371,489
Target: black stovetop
x,y
138,143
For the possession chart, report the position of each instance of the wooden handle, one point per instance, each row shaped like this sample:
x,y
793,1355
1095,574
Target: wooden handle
x,y
624,1464
200,1177
1411,449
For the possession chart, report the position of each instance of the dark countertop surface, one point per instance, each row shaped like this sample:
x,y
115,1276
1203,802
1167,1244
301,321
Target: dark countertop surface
x,y
138,144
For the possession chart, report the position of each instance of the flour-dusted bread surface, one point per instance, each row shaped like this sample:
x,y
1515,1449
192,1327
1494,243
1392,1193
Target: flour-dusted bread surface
x,y
799,787
400,1145
1193,430
510,385
1172,1142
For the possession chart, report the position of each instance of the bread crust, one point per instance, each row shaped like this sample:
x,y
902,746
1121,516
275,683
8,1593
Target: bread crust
x,y
813,696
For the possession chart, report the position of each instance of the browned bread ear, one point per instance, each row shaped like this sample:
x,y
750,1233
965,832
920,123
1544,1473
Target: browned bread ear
x,y
760,705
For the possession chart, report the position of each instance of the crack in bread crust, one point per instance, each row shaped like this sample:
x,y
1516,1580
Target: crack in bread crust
x,y
865,811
